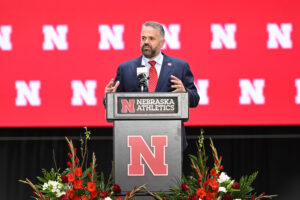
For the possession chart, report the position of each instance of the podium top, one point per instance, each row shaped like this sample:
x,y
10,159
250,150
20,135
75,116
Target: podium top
x,y
134,106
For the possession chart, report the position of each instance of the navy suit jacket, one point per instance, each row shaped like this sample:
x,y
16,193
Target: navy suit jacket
x,y
127,75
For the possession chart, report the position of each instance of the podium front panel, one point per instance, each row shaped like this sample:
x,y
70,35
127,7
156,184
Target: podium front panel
x,y
147,152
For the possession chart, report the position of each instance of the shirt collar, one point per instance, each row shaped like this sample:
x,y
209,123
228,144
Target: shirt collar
x,y
158,59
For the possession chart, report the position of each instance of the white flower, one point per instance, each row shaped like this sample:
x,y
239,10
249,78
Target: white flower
x,y
59,194
45,186
222,189
223,177
107,198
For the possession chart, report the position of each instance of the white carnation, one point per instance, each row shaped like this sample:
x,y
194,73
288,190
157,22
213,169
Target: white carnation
x,y
222,189
107,198
223,177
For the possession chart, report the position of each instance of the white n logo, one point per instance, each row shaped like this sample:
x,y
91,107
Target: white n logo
x,y
27,93
279,36
55,37
222,36
251,91
297,84
84,92
172,36
202,86
5,43
110,37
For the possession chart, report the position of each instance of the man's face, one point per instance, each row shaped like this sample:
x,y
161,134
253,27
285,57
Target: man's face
x,y
151,42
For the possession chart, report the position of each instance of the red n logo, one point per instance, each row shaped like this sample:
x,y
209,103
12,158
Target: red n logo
x,y
127,106
155,160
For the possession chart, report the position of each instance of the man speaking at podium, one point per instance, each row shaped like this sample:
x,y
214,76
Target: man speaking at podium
x,y
165,74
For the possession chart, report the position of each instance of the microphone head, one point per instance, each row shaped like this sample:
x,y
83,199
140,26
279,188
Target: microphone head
x,y
141,69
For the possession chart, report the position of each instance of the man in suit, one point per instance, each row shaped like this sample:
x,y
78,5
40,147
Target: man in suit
x,y
166,74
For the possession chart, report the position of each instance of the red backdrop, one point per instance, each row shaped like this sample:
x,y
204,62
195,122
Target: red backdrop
x,y
244,56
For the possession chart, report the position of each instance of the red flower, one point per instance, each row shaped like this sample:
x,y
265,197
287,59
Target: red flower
x,y
201,192
118,198
103,194
116,188
83,198
70,193
193,197
214,185
64,179
71,177
210,195
63,197
212,172
185,187
227,196
235,185
91,186
77,198
78,184
69,164
93,195
78,171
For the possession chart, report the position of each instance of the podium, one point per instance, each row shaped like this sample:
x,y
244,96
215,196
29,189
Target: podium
x,y
147,139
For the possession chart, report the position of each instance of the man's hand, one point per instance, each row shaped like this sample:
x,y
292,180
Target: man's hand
x,y
110,87
177,84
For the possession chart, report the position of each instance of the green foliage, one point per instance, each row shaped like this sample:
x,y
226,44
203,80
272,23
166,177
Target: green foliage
x,y
245,186
51,175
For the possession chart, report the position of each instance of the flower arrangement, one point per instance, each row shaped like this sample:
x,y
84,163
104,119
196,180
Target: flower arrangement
x,y
82,182
74,183
211,183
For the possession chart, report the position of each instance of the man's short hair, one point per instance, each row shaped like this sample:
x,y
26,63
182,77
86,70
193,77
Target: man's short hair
x,y
155,25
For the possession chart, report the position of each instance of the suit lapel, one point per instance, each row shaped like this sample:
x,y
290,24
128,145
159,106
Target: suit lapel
x,y
137,64
165,74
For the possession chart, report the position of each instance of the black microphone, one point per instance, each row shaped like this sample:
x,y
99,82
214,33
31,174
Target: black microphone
x,y
141,73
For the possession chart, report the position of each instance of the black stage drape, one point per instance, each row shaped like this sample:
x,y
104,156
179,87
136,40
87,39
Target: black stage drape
x,y
271,150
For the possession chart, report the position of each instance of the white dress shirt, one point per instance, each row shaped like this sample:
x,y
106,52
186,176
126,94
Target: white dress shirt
x,y
158,59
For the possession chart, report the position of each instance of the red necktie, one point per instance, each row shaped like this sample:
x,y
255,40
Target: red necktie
x,y
152,77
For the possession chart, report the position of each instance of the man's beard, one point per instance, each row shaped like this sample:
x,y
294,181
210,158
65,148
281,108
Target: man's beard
x,y
149,52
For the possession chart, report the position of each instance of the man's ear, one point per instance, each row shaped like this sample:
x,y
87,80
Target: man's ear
x,y
162,42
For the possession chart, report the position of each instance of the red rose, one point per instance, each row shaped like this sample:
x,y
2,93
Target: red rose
x,y
185,187
235,185
78,171
63,197
227,196
76,198
116,188
64,179
118,198
103,194
193,197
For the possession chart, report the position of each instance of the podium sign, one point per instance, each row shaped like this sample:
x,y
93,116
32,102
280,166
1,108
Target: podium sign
x,y
147,138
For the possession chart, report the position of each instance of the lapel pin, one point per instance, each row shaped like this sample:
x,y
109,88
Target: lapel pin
x,y
169,64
